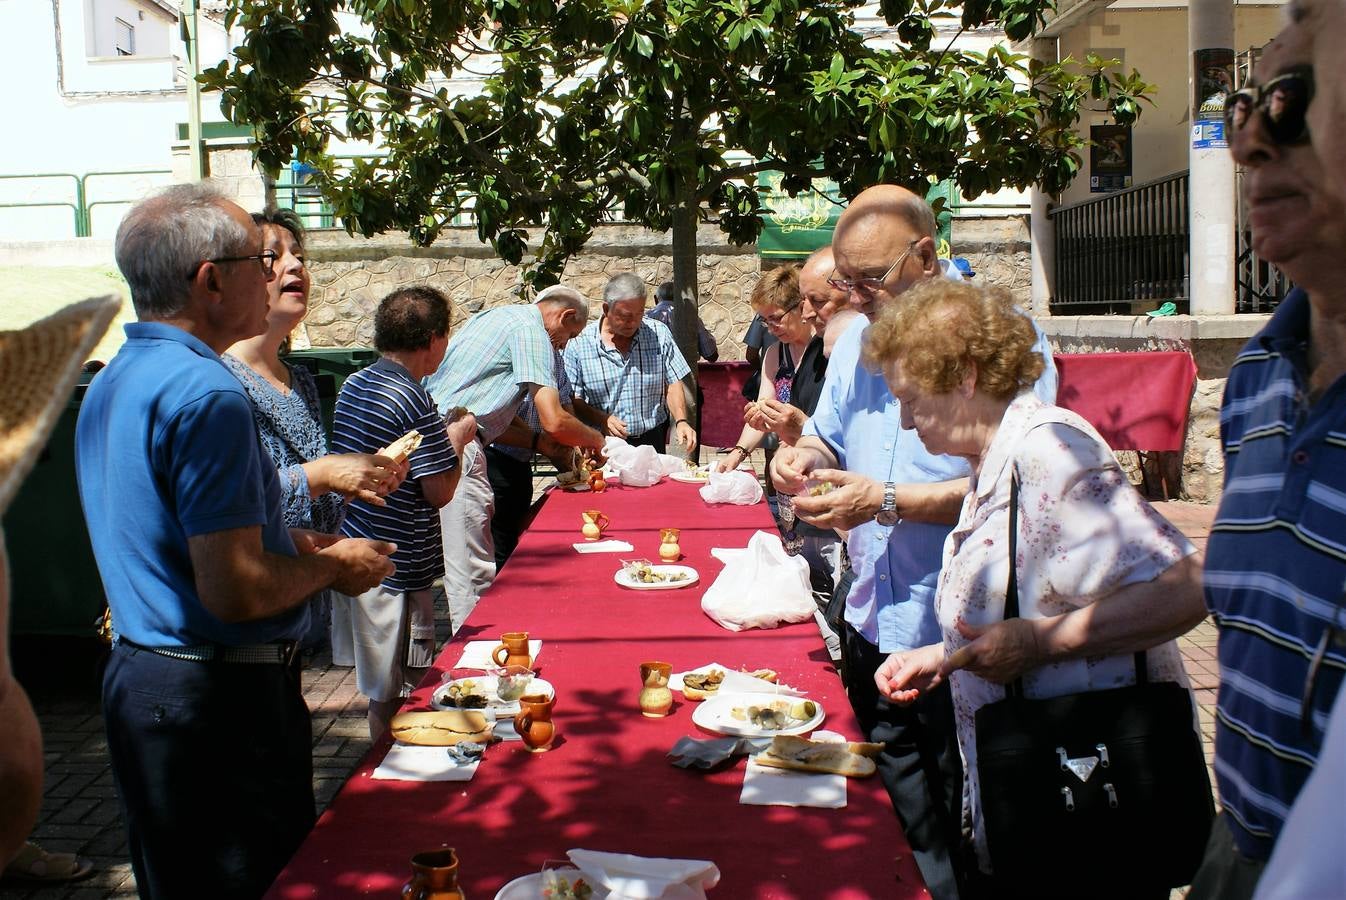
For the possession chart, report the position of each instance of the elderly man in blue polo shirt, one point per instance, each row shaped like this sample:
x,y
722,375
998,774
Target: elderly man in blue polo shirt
x,y
498,358
629,365
207,730
898,502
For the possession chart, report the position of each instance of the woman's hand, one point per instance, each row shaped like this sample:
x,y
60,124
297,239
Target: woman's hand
x,y
999,652
356,476
785,419
905,675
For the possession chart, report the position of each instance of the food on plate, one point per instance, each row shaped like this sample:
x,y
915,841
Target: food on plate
x,y
700,685
697,471
640,570
775,715
442,728
558,887
465,694
834,757
403,447
819,488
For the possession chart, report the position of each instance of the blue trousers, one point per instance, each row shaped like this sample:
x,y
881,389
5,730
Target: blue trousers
x,y
214,770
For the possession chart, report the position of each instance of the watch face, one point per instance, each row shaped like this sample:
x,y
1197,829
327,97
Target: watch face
x,y
886,517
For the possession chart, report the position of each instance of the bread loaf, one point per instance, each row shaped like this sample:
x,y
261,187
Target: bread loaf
x,y
801,754
442,728
403,447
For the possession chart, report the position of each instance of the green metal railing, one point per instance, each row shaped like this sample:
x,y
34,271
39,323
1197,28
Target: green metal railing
x,y
81,207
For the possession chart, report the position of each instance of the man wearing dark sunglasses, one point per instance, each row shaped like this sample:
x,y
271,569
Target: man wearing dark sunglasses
x,y
1276,557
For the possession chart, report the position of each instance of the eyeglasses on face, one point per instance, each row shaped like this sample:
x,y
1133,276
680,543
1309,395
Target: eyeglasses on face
x,y
266,259
1283,103
775,321
870,285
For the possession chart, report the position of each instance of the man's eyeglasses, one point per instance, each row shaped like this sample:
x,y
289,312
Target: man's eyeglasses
x,y
870,285
1283,103
266,259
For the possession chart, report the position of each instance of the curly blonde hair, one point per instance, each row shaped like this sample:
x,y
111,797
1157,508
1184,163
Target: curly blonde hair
x,y
940,330
777,289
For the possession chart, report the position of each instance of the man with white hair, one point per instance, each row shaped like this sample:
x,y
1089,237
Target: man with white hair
x,y
498,358
208,733
629,365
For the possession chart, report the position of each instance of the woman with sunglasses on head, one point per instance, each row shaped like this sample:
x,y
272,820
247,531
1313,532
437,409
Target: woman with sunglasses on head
x,y
1276,557
315,484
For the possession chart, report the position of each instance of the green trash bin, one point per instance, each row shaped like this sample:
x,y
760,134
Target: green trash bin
x,y
55,586
330,368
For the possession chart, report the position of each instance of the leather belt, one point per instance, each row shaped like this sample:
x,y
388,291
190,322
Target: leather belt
x,y
278,652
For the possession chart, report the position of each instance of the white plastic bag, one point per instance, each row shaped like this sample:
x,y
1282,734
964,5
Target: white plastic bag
x,y
741,488
760,587
633,466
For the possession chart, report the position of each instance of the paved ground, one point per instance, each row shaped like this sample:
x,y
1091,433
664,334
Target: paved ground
x,y
80,813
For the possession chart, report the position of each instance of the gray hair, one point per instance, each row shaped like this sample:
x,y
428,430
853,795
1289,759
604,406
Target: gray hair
x,y
564,296
167,234
626,286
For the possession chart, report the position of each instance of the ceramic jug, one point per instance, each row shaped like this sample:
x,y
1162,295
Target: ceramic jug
x,y
512,650
434,876
596,482
669,551
533,723
655,697
594,524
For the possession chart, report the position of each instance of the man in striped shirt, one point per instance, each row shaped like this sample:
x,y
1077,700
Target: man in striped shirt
x,y
1276,557
629,365
499,357
390,630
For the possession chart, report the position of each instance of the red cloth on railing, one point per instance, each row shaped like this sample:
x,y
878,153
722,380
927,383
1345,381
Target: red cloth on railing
x,y
606,784
722,401
1137,401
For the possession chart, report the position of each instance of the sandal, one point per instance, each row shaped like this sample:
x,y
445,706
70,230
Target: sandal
x,y
32,863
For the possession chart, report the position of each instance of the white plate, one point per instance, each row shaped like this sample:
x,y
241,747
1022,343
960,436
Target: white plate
x,y
485,685
713,715
529,887
626,581
690,477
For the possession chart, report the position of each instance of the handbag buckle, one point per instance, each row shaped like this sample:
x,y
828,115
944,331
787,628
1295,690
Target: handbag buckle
x,y
1102,755
1081,766
1112,794
1070,799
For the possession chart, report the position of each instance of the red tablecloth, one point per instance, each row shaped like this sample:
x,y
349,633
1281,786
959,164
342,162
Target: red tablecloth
x,y
1137,401
606,784
722,401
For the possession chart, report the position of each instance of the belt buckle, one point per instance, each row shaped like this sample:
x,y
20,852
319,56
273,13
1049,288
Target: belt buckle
x,y
289,650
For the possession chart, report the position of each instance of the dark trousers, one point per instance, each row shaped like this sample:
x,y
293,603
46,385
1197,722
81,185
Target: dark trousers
x,y
1225,873
656,437
214,769
512,481
919,766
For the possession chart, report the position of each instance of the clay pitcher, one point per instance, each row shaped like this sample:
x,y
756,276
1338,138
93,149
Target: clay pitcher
x,y
533,723
512,650
594,524
669,550
655,697
434,876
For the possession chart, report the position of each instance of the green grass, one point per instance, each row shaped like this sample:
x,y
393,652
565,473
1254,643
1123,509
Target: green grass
x,y
29,293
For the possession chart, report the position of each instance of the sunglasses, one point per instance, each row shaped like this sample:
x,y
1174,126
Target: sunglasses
x,y
1283,103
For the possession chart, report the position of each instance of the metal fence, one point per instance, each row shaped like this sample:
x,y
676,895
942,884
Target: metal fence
x,y
76,195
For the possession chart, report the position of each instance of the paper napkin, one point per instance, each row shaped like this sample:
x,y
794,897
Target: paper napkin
x,y
765,786
406,762
603,547
630,877
477,654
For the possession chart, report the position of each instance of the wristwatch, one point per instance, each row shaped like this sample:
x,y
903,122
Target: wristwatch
x,y
887,514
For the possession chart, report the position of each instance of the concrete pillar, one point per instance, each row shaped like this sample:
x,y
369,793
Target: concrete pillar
x,y
1210,38
1041,231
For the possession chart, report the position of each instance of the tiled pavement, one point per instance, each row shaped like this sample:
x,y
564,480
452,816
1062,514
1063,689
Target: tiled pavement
x,y
80,813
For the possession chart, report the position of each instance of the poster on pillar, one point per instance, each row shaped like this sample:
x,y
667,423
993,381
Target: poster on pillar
x,y
1212,83
1109,158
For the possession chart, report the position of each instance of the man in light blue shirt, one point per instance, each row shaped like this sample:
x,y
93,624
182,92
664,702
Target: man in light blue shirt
x,y
898,502
499,357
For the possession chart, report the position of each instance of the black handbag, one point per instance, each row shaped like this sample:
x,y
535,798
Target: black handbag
x,y
1091,794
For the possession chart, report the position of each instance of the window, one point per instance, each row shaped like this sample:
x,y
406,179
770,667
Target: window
x,y
126,39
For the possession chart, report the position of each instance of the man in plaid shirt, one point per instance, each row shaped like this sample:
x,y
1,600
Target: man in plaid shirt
x,y
499,357
629,365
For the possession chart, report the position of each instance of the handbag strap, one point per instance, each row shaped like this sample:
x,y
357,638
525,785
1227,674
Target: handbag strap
x,y
1016,687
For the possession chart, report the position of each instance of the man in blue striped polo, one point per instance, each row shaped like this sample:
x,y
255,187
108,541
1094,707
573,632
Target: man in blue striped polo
x,y
389,630
629,365
499,357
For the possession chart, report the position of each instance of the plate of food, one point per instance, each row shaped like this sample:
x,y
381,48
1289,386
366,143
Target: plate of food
x,y
483,692
758,715
642,575
693,474
553,884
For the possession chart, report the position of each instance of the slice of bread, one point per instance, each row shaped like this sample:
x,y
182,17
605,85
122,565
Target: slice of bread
x,y
792,752
442,728
403,447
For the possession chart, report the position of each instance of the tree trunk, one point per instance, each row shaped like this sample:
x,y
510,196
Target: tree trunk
x,y
685,304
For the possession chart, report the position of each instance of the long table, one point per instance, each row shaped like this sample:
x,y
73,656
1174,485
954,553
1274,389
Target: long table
x,y
607,784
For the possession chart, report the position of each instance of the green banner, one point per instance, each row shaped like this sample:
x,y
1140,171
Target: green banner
x,y
799,225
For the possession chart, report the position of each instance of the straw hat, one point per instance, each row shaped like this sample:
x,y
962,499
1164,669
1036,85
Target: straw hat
x,y
38,367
